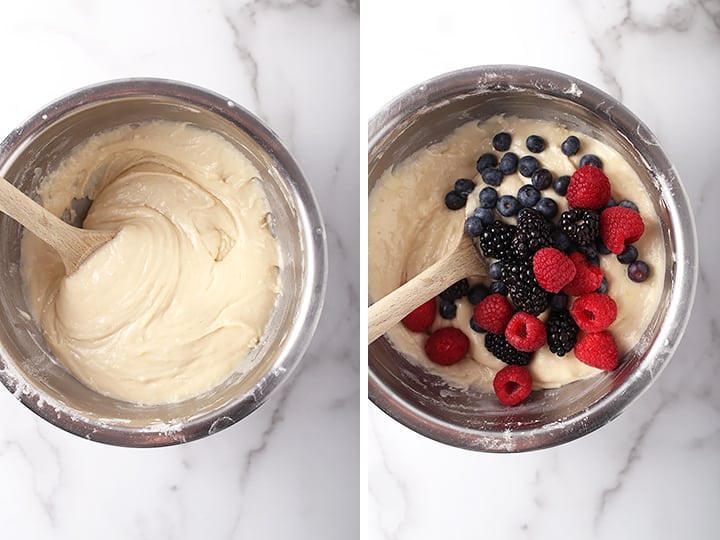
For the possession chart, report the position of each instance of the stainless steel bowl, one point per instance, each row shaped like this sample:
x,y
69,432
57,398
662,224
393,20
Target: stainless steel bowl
x,y
27,367
472,419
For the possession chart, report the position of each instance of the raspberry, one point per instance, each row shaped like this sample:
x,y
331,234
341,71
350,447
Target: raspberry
x,y
527,295
525,332
512,384
493,313
502,350
589,188
495,239
532,233
421,318
594,312
553,269
620,226
447,346
587,278
561,332
598,350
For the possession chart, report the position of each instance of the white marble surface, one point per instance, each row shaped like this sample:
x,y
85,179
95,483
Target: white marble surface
x,y
654,472
290,469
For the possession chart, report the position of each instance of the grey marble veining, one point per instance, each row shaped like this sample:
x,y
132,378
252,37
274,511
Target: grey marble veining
x,y
289,470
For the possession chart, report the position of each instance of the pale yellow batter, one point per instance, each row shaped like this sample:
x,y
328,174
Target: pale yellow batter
x,y
409,228
173,304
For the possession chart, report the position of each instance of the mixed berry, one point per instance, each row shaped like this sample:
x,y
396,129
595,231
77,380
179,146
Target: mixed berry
x,y
545,287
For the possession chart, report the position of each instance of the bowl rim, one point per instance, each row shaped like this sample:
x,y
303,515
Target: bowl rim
x,y
315,273
489,78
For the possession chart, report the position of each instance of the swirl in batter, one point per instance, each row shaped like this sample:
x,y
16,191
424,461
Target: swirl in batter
x,y
173,304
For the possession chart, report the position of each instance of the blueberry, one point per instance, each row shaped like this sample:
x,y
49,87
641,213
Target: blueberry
x,y
488,197
486,215
495,270
528,165
508,163
547,207
455,201
628,255
528,196
501,141
456,290
474,226
447,309
559,301
507,205
535,143
589,251
629,204
570,146
611,202
601,248
603,288
561,184
477,293
542,179
475,326
492,176
485,161
498,287
560,240
592,160
464,186
638,271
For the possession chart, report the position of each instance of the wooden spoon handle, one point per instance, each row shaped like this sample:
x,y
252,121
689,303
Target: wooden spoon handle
x,y
30,214
389,310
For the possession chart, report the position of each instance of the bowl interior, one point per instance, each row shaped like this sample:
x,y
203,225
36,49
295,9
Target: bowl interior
x,y
30,369
473,419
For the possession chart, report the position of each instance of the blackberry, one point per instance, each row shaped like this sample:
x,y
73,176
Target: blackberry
x,y
561,332
523,288
533,233
501,349
496,239
582,226
559,301
501,141
456,291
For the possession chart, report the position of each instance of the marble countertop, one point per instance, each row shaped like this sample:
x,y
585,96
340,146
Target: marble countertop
x,y
290,469
654,472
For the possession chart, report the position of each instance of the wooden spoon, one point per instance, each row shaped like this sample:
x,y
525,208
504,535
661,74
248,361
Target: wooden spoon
x,y
464,261
73,244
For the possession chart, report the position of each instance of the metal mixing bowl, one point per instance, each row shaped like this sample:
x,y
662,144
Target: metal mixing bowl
x,y
27,367
473,419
